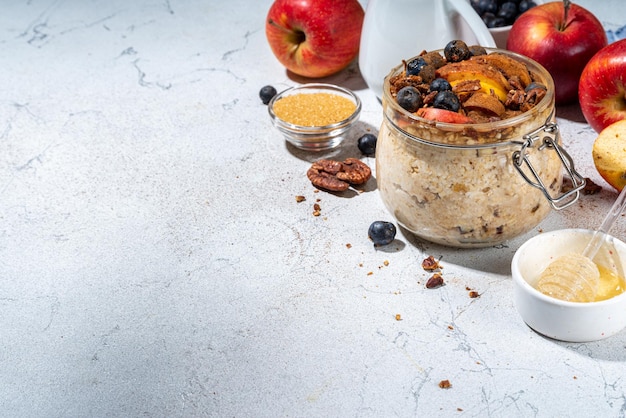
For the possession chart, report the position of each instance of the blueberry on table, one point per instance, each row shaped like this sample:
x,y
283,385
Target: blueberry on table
x,y
409,98
382,232
267,93
367,144
447,100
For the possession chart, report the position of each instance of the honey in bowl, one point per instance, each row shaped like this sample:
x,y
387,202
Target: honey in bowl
x,y
610,284
575,279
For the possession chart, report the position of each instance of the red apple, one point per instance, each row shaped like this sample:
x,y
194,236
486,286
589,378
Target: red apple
x,y
442,115
562,37
602,88
314,38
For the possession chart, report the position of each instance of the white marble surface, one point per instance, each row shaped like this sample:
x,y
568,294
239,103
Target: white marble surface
x,y
154,261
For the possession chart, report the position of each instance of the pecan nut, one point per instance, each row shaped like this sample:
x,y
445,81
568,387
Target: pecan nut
x,y
337,176
354,171
326,181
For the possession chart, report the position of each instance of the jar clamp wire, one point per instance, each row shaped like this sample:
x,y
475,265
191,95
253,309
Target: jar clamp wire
x,y
549,141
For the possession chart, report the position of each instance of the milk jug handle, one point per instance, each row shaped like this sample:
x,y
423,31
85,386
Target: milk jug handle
x,y
467,12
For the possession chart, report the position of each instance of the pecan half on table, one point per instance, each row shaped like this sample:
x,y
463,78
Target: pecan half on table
x,y
338,176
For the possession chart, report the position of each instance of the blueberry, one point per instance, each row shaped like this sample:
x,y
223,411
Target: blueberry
x,y
490,6
439,84
267,93
456,51
447,100
499,22
477,6
382,232
367,144
488,19
535,85
414,66
508,11
409,98
525,5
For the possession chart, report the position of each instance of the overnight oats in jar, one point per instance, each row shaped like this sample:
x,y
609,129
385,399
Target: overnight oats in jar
x,y
469,153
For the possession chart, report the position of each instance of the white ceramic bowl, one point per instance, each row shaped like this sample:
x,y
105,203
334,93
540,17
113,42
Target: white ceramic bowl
x,y
554,318
316,138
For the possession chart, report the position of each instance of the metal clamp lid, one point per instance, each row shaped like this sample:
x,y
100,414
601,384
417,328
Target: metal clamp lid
x,y
550,141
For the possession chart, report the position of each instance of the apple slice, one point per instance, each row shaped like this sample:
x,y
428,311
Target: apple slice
x,y
609,154
491,80
442,115
508,66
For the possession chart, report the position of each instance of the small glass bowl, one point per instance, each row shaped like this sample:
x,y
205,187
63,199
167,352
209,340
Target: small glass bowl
x,y
316,138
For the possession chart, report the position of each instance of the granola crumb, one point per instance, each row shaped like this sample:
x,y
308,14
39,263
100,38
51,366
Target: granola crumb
x,y
317,210
300,198
445,384
430,264
435,280
398,317
348,245
473,294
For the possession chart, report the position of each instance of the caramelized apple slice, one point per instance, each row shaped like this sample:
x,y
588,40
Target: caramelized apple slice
x,y
508,66
485,103
491,80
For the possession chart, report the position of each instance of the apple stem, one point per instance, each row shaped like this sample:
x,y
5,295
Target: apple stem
x,y
296,36
566,6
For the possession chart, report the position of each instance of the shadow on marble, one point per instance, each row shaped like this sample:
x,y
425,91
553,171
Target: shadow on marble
x,y
349,78
395,246
571,112
609,349
490,260
347,149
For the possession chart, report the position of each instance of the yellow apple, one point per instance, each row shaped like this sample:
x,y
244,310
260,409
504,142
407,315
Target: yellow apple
x,y
609,154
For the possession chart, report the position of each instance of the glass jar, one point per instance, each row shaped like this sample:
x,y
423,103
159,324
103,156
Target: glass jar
x,y
473,185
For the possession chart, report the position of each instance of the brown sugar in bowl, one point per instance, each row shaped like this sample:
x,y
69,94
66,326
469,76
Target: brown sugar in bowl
x,y
315,116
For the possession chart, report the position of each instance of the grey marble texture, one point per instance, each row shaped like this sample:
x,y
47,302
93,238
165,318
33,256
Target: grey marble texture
x,y
155,263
